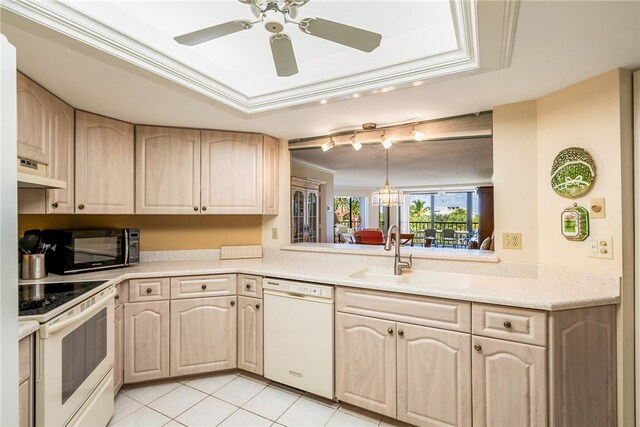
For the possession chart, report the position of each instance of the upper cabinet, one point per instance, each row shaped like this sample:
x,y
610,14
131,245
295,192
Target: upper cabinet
x,y
231,173
33,121
104,165
270,176
62,157
167,170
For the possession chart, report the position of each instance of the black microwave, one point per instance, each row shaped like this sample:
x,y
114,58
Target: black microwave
x,y
74,251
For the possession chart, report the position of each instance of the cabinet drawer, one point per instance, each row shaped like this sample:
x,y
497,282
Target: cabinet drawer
x,y
508,323
413,309
250,286
148,289
122,293
203,286
24,357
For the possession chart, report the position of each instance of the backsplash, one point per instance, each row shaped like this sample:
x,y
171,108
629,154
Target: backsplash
x,y
163,232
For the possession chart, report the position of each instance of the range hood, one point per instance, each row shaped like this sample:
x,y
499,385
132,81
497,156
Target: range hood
x,y
34,175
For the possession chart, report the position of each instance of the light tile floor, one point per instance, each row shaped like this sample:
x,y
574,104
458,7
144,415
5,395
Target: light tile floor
x,y
233,399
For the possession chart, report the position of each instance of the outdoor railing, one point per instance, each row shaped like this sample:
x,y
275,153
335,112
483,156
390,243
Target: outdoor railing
x,y
418,227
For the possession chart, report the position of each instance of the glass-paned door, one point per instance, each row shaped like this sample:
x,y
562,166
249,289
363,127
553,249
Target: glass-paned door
x,y
297,215
312,223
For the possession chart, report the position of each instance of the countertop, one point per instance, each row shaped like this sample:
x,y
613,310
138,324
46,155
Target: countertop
x,y
554,292
26,328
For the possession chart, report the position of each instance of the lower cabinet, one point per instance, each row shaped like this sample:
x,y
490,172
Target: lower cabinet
x,y
250,335
509,383
118,354
203,335
25,383
146,343
416,374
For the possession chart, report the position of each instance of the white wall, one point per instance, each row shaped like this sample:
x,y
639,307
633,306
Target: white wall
x,y
8,242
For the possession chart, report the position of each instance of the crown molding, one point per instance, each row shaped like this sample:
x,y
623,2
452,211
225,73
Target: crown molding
x,y
313,166
468,17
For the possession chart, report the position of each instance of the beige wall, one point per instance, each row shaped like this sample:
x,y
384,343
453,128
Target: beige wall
x,y
596,115
163,232
326,196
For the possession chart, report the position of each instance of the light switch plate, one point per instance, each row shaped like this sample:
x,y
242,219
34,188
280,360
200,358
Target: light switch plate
x,y
601,247
596,208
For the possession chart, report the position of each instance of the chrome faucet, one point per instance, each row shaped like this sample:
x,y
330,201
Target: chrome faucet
x,y
398,263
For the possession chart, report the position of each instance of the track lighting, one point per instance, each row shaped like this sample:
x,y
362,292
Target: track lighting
x,y
386,142
355,143
417,135
328,145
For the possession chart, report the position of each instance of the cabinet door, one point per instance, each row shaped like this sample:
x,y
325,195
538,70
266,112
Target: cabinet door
x,y
250,354
118,370
62,164
203,335
434,376
24,404
298,197
270,183
167,170
509,383
313,216
366,363
104,165
33,120
231,173
146,341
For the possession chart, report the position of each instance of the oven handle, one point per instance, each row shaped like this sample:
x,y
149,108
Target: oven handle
x,y
49,329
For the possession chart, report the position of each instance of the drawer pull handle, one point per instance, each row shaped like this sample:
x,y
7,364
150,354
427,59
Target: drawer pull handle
x,y
148,290
507,324
204,287
390,331
248,286
257,306
400,332
233,303
477,347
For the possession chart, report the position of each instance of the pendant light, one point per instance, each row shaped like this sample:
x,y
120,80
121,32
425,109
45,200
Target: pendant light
x,y
387,195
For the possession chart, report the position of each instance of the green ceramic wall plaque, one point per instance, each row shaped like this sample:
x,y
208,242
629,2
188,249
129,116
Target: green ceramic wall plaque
x,y
575,223
573,172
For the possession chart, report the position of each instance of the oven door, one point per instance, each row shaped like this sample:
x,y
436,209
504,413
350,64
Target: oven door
x,y
96,249
74,355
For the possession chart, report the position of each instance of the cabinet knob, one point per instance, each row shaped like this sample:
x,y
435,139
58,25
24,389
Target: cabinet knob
x,y
477,347
204,208
390,331
80,206
117,297
507,324
257,306
400,332
148,290
233,303
195,208
248,286
54,205
204,287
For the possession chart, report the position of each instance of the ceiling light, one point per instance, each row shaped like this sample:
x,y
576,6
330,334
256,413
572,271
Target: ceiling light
x,y
386,142
387,195
417,135
328,145
355,143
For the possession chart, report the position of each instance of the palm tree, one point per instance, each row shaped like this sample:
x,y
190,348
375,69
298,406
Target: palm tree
x,y
341,206
418,209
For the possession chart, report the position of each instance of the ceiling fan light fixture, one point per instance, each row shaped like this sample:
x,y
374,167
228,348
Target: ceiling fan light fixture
x,y
355,142
328,145
386,142
417,135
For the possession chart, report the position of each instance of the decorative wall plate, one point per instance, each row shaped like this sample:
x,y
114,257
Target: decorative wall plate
x,y
573,172
575,223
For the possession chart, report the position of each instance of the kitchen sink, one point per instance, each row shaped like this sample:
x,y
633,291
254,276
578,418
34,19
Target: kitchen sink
x,y
420,278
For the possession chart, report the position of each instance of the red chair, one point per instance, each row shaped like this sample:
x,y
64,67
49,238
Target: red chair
x,y
369,236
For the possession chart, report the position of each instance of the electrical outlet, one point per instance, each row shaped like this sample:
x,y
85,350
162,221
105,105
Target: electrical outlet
x,y
596,207
274,233
511,240
601,247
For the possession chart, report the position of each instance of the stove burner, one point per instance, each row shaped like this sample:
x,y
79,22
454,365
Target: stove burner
x,y
41,298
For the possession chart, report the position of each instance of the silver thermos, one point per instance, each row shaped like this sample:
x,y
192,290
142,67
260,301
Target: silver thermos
x,y
33,266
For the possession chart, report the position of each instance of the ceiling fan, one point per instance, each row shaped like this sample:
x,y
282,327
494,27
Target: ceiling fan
x,y
274,14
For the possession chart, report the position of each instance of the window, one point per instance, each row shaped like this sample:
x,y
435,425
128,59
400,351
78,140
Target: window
x,y
348,211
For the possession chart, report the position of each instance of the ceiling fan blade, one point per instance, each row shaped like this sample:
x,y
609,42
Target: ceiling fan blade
x,y
347,35
283,56
210,33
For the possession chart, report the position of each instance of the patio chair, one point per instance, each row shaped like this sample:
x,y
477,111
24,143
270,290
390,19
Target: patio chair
x,y
449,236
430,237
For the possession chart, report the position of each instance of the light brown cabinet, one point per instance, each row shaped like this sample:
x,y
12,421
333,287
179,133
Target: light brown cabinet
x,y
203,335
104,165
146,341
167,170
33,120
62,164
118,355
25,383
250,335
271,176
231,174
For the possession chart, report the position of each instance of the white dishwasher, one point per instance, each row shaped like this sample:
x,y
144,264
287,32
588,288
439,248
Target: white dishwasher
x,y
298,335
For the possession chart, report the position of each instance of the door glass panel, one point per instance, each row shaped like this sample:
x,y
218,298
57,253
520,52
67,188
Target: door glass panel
x,y
82,351
297,218
313,217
